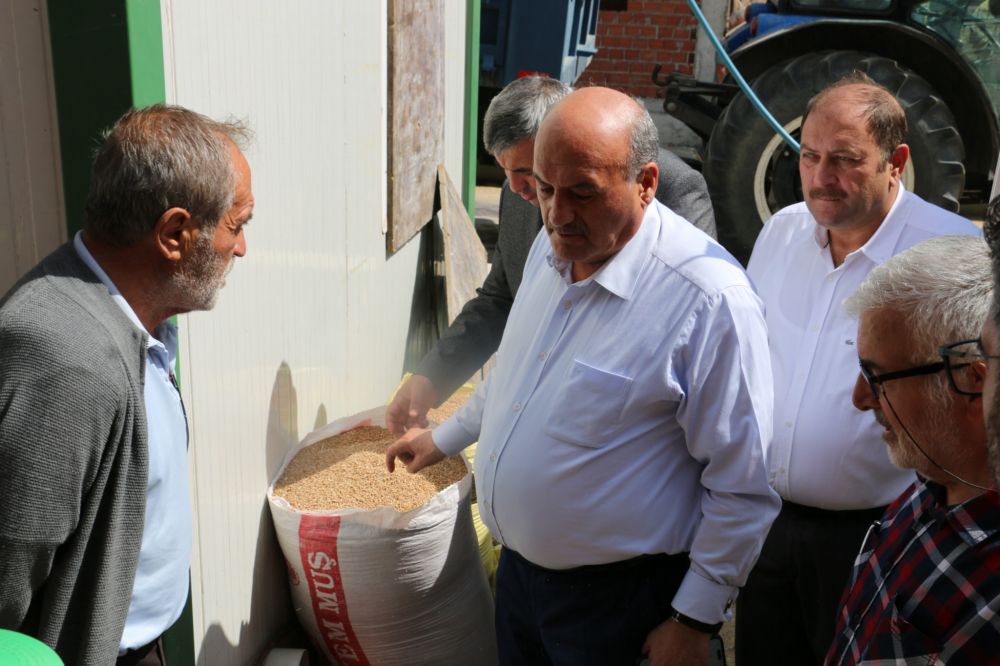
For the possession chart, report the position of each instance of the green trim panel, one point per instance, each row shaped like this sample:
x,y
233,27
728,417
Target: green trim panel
x,y
145,48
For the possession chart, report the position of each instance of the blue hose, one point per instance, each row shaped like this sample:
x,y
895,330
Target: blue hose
x,y
740,81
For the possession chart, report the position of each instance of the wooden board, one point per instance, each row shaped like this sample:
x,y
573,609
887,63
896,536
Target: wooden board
x,y
464,254
416,114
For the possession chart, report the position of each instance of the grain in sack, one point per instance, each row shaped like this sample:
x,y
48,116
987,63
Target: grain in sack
x,y
383,569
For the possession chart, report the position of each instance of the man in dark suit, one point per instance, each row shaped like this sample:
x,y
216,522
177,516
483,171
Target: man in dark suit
x,y
509,129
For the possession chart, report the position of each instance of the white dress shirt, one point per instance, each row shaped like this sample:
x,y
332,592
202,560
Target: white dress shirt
x,y
626,412
161,578
825,453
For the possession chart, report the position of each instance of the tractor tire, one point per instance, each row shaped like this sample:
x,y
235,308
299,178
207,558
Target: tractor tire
x,y
751,173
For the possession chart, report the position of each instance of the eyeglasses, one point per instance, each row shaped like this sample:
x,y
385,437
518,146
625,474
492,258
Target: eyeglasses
x,y
955,357
961,354
916,371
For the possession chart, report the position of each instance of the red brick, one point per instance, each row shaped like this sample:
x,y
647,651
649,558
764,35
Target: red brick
x,y
631,42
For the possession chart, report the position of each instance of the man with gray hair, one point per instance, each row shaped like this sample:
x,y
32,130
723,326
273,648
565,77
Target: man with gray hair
x,y
924,586
509,129
95,525
620,434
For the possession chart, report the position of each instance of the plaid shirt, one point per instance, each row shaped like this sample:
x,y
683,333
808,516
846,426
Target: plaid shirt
x,y
926,585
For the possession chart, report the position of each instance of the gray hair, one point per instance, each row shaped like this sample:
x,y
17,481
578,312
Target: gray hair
x,y
156,158
942,287
517,111
644,142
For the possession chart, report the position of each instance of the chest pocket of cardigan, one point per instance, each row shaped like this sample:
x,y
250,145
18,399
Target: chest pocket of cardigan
x,y
588,407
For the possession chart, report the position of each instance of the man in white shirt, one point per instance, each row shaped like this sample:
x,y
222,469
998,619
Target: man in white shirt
x,y
620,434
826,459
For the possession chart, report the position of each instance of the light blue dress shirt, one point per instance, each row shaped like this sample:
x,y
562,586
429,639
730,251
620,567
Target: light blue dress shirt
x,y
626,414
161,580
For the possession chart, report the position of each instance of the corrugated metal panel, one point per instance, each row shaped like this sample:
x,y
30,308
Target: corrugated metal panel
x,y
313,322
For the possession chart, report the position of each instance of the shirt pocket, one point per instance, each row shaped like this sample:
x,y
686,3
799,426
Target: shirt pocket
x,y
899,641
588,407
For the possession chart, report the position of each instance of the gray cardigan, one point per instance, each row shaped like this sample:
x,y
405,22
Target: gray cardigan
x,y
475,334
73,459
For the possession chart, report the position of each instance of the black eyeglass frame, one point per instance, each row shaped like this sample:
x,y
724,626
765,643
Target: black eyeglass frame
x,y
874,380
949,352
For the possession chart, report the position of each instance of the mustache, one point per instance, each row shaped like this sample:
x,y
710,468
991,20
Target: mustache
x,y
571,229
826,192
881,420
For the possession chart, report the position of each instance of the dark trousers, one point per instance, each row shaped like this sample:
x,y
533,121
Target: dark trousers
x,y
147,655
597,615
787,611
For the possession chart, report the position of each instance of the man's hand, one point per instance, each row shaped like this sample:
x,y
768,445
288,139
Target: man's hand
x,y
673,644
409,406
415,449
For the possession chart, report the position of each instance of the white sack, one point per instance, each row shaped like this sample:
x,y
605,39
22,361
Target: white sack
x,y
383,587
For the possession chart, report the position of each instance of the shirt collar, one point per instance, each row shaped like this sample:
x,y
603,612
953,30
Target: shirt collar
x,y
882,244
975,519
620,273
164,337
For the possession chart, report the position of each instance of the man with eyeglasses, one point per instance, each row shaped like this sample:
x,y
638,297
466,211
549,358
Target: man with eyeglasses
x,y
925,586
825,459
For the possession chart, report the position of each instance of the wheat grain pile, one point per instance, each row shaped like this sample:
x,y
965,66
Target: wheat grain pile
x,y
348,471
451,405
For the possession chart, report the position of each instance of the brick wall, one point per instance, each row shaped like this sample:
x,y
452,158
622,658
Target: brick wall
x,y
632,41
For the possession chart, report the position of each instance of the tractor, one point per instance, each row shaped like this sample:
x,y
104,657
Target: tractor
x,y
941,58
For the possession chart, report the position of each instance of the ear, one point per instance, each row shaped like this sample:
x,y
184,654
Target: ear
x,y
648,179
897,162
174,233
974,379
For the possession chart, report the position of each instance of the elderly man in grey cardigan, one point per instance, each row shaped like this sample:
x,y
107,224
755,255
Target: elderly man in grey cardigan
x,y
509,129
95,524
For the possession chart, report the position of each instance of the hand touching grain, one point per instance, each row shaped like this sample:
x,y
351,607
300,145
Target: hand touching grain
x,y
415,449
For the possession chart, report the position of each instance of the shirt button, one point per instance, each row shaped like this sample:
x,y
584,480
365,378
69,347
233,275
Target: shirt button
x,y
486,505
493,457
801,377
567,305
788,424
814,329
541,356
517,406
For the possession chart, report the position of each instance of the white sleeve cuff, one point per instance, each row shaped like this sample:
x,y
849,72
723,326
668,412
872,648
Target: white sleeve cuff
x,y
703,599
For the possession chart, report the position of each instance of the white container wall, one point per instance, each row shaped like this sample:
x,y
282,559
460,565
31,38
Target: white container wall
x,y
32,223
313,322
